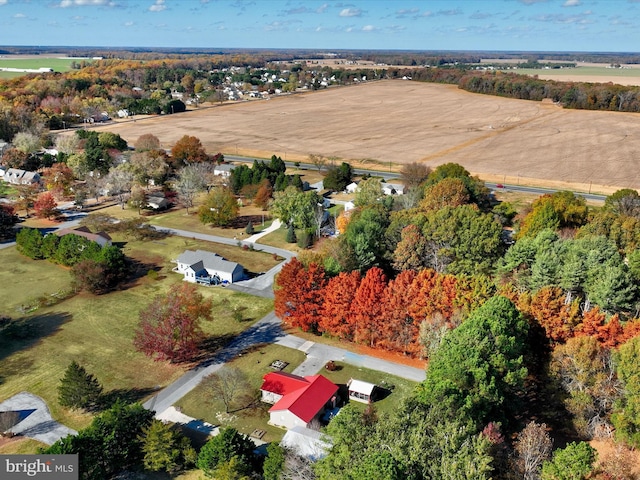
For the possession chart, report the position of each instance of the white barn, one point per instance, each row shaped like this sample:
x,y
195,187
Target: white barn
x,y
201,266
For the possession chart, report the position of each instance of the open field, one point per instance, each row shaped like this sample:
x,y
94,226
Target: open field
x,y
504,140
34,62
595,74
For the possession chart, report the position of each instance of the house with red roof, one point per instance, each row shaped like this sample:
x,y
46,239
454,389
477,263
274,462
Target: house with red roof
x,y
296,400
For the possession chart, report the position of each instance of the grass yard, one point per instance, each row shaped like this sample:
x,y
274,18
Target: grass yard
x,y
19,446
97,332
278,239
159,253
399,388
255,364
24,281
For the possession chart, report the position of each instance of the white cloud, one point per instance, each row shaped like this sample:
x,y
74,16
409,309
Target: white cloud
x,y
351,12
322,8
3,2
571,3
158,6
368,28
86,3
129,24
19,15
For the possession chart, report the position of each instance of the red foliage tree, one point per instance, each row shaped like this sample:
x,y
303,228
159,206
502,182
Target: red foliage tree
x,y
46,206
170,326
368,306
337,316
433,293
549,309
399,330
299,294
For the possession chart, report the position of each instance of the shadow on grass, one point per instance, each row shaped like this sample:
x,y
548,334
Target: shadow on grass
x,y
26,332
126,395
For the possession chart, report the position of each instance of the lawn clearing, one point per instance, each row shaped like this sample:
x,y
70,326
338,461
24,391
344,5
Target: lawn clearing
x,y
396,388
24,281
254,364
97,332
278,239
19,445
158,254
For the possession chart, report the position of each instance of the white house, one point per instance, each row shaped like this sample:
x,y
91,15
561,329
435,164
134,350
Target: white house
x,y
349,206
393,188
297,400
17,176
360,391
352,187
201,266
224,169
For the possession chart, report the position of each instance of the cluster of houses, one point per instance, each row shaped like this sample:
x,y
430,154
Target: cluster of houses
x,y
17,176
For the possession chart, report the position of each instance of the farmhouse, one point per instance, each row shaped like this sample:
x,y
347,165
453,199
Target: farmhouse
x,y
296,400
207,268
360,391
17,176
101,238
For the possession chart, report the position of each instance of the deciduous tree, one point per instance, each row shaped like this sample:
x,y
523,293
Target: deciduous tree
x,y
220,207
230,385
337,317
368,307
533,448
46,206
188,150
299,294
170,326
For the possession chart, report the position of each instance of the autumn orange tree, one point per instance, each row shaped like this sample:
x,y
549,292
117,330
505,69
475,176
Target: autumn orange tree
x,y
187,150
170,326
398,329
46,206
367,306
337,317
299,294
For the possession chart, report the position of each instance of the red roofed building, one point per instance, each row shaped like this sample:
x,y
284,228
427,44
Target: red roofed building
x,y
297,400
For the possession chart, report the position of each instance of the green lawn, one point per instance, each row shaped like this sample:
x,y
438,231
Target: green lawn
x,y
397,387
58,64
97,331
255,364
24,280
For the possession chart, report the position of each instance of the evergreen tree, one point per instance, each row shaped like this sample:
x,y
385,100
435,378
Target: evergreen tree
x,y
79,389
228,444
274,462
166,448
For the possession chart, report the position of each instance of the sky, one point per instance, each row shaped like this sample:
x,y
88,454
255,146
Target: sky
x,y
499,25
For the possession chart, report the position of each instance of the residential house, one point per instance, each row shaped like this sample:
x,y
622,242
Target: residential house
x,y
349,206
352,187
208,268
223,170
393,189
360,391
17,176
297,401
101,238
157,201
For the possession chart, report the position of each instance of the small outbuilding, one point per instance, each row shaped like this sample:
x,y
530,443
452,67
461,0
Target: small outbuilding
x,y
360,391
306,443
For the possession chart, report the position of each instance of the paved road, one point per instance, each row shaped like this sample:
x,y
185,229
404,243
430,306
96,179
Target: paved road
x,y
268,330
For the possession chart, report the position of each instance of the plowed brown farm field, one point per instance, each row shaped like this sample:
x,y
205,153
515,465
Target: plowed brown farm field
x,y
396,122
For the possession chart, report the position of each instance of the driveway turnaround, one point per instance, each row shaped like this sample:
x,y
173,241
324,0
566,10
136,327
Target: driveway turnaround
x,y
34,419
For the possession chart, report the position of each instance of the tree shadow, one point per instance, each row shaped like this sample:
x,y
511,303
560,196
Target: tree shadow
x,y
126,395
26,332
209,347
